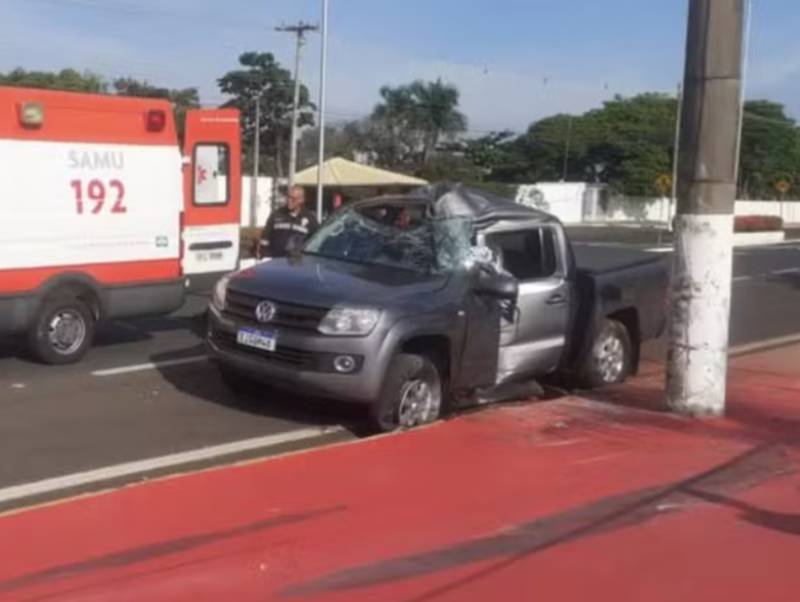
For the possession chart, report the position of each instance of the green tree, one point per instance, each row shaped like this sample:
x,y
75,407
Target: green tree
x,y
541,150
66,79
436,113
417,117
495,155
182,99
261,79
395,138
770,150
348,140
627,143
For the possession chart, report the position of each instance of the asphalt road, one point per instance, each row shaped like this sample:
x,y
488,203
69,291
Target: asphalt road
x,y
766,286
145,391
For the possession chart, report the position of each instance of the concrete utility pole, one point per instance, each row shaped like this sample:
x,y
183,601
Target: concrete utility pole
x,y
701,280
300,32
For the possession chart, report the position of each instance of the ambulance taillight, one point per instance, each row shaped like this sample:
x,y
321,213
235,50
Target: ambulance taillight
x,y
156,120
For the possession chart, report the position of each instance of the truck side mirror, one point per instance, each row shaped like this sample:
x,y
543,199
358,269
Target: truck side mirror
x,y
502,286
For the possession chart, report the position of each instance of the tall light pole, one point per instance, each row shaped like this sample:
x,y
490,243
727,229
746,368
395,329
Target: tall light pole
x,y
300,31
322,76
567,143
675,155
256,153
697,360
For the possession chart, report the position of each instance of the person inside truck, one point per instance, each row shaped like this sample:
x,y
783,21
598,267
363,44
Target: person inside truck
x,y
288,227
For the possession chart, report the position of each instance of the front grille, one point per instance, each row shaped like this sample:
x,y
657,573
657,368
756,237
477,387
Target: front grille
x,y
282,355
242,306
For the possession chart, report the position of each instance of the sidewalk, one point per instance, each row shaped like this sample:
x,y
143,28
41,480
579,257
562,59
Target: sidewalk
x,y
569,500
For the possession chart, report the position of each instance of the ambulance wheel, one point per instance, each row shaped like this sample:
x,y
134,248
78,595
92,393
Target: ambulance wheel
x,y
62,331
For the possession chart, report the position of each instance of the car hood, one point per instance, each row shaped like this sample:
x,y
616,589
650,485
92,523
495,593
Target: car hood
x,y
322,282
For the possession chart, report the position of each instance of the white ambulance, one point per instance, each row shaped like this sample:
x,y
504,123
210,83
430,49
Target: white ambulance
x,y
102,215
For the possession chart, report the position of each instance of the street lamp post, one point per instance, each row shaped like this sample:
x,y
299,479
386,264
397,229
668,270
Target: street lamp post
x,y
322,77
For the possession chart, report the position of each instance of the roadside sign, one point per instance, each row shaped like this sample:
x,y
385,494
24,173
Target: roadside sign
x,y
783,186
664,184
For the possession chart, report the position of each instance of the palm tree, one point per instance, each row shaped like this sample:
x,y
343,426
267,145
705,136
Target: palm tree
x,y
420,115
436,114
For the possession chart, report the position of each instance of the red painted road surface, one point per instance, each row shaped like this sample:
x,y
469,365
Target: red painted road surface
x,y
570,500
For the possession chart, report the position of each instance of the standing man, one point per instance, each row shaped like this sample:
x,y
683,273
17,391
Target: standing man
x,y
287,227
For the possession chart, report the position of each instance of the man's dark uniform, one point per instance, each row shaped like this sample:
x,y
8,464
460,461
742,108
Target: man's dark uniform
x,y
285,233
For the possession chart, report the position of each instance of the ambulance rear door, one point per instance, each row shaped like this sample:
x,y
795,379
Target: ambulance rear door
x,y
212,195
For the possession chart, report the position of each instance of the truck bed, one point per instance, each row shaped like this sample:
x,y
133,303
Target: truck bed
x,y
601,259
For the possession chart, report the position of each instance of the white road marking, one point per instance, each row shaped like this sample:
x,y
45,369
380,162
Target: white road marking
x,y
149,366
659,250
766,274
98,475
765,344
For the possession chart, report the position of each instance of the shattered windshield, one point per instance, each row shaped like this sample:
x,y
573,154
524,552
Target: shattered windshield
x,y
401,236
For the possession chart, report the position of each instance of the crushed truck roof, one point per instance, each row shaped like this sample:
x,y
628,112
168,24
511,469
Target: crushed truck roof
x,y
455,200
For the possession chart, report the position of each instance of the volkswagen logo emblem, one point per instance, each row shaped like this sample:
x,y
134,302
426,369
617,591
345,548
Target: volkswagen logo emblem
x,y
265,311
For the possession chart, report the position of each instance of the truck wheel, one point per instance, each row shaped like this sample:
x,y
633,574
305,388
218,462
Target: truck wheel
x,y
62,331
610,359
411,394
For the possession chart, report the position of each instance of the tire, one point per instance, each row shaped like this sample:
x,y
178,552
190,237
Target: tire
x,y
610,358
62,331
412,394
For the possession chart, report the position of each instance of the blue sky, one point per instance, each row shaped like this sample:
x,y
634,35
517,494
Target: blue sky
x,y
514,60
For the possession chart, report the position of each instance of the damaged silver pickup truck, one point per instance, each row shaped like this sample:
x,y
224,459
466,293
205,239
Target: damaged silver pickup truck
x,y
410,303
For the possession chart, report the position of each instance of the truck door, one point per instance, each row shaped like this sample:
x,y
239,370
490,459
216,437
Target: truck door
x,y
212,195
533,336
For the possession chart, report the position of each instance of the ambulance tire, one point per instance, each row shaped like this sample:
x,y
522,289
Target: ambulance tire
x,y
62,331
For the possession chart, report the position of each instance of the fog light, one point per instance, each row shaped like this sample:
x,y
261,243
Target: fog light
x,y
344,363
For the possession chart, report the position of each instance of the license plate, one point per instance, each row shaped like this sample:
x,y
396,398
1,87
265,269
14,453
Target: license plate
x,y
206,256
258,339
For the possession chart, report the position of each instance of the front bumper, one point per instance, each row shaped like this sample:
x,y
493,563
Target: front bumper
x,y
303,361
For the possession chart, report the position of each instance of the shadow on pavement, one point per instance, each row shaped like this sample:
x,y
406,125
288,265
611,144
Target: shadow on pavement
x,y
254,398
716,486
191,317
146,553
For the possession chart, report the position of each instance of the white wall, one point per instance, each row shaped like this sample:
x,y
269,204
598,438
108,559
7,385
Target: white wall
x,y
264,192
565,200
576,202
788,210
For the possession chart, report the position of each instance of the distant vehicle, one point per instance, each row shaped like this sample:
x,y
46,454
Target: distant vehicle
x,y
102,216
405,303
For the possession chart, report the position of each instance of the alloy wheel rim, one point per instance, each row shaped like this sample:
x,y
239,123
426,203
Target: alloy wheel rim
x,y
610,356
419,402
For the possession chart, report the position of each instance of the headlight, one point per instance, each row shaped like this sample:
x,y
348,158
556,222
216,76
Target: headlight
x,y
220,290
352,321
